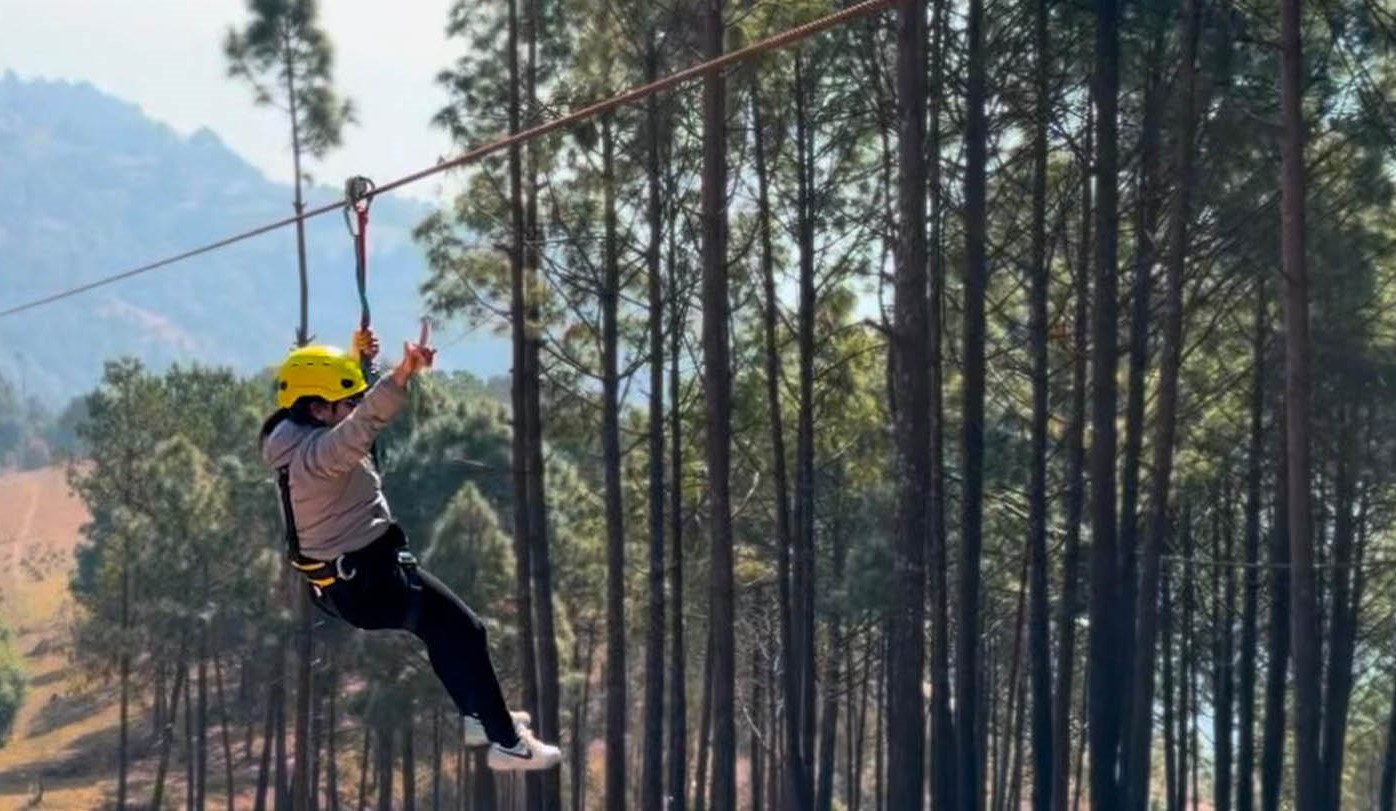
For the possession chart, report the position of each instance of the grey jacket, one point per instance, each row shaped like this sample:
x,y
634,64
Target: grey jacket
x,y
336,495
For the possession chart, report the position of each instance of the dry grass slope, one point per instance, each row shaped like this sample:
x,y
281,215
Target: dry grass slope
x,y
65,730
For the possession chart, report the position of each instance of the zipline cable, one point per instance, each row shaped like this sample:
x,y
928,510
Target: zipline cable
x,y
789,37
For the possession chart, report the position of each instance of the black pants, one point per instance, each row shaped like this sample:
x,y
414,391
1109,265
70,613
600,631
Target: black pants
x,y
384,594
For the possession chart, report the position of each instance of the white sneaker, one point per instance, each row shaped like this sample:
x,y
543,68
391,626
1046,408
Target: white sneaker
x,y
529,754
475,731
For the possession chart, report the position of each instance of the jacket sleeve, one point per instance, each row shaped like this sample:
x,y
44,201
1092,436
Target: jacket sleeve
x,y
335,451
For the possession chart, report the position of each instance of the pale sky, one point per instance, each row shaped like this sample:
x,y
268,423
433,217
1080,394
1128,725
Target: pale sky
x,y
167,57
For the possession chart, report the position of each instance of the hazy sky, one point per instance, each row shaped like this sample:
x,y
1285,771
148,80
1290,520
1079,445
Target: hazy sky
x,y
167,57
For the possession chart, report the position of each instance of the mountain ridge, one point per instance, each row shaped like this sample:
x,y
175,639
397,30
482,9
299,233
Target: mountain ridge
x,y
92,185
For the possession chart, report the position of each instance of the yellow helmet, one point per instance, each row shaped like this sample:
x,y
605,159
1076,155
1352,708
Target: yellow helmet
x,y
318,371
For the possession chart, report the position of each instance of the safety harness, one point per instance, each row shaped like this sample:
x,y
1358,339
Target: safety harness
x,y
320,574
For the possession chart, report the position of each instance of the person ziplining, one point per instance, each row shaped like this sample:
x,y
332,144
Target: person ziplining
x,y
320,441
476,154
340,534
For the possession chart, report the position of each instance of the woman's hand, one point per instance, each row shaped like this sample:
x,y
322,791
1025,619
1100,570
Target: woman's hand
x,y
366,344
416,357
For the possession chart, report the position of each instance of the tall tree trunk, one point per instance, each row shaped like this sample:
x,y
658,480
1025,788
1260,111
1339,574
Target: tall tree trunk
x,y
971,775
1187,672
718,390
579,723
1107,666
303,328
678,666
223,724
385,769
705,715
804,577
1139,748
484,796
167,734
436,758
1179,800
1141,295
1273,734
857,727
773,772
912,410
463,767
300,597
1170,737
828,735
992,739
1015,769
317,729
757,779
1194,672
248,705
521,456
1387,797
1083,739
1007,734
879,734
363,768
1245,766
264,765
409,758
1039,643
331,736
159,711
1225,601
123,745
191,787
1346,597
652,770
615,518
944,760
545,789
1075,487
282,792
797,767
301,786
200,787
1304,624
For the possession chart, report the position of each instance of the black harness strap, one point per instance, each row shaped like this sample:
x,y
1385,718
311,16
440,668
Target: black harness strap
x,y
322,574
283,483
319,573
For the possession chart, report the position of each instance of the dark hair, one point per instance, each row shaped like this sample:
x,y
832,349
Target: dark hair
x,y
299,413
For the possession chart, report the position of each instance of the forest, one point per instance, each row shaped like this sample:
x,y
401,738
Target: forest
x,y
978,405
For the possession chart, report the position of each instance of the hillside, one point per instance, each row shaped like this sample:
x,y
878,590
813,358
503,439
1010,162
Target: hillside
x,y
92,186
64,730
63,749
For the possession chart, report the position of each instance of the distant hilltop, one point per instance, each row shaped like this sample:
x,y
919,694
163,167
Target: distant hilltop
x,y
93,185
